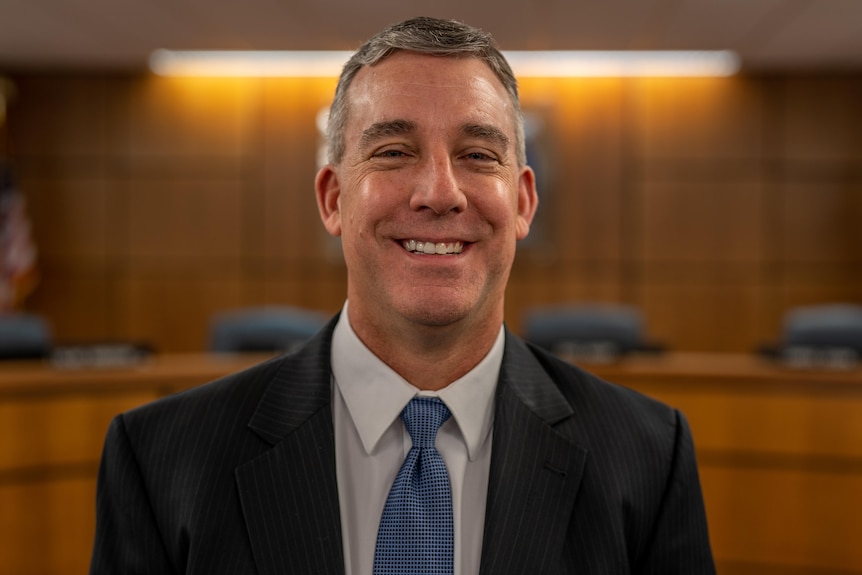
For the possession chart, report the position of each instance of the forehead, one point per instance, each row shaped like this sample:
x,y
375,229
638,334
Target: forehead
x,y
429,89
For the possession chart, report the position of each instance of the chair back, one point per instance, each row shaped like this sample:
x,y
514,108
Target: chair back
x,y
24,336
585,329
263,329
828,334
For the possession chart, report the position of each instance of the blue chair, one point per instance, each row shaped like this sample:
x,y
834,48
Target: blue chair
x,y
24,336
825,326
826,334
263,329
588,331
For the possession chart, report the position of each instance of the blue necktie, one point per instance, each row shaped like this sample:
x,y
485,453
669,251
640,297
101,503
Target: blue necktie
x,y
416,536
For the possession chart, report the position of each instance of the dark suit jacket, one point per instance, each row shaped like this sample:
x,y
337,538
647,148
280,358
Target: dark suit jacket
x,y
238,476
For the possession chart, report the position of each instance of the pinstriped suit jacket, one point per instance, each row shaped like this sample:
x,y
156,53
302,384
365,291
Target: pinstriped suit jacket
x,y
238,476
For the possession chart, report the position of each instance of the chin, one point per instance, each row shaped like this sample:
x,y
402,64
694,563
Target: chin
x,y
437,314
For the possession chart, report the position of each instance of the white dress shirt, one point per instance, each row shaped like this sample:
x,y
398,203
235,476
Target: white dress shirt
x,y
371,444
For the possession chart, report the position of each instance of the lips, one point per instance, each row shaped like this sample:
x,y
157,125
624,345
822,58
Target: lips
x,y
432,248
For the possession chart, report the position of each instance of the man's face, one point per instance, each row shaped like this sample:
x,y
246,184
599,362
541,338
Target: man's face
x,y
429,199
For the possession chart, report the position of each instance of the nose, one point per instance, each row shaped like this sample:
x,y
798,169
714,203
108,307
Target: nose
x,y
437,187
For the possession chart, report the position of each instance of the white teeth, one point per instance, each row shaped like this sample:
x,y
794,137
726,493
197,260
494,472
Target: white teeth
x,y
430,248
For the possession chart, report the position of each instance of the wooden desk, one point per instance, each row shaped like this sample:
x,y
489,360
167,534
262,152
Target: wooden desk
x,y
169,373
780,454
52,426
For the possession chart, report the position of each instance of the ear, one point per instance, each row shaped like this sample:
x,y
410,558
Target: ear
x,y
528,201
328,191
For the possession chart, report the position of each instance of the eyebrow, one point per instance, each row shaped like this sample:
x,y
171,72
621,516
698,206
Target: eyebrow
x,y
487,133
381,130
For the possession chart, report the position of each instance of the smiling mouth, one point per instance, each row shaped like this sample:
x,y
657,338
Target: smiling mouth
x,y
431,248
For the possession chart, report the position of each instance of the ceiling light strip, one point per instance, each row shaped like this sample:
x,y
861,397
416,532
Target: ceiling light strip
x,y
597,64
555,64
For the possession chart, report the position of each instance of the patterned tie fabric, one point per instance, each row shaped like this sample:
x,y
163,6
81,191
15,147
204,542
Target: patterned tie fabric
x,y
416,536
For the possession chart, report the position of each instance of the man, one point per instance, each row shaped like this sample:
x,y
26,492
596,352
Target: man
x,y
287,467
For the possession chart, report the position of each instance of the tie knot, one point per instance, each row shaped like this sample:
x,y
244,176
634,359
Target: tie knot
x,y
422,417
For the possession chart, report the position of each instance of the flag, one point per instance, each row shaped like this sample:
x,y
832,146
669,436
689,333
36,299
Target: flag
x,y
19,273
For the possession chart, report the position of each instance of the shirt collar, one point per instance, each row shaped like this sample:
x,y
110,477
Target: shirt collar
x,y
375,394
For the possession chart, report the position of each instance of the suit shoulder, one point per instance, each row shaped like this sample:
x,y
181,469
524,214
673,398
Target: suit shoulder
x,y
604,399
238,391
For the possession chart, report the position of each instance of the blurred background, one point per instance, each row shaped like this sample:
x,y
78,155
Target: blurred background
x,y
712,204
137,209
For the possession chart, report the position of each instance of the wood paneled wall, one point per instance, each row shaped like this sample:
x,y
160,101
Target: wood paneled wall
x,y
713,204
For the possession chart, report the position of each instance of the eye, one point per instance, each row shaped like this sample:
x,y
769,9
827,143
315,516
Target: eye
x,y
390,154
481,157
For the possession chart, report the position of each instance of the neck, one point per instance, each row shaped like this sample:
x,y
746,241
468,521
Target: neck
x,y
429,357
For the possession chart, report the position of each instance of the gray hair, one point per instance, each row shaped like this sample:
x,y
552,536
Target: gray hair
x,y
427,36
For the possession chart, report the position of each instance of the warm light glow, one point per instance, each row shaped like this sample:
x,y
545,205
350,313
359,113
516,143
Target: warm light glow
x,y
551,64
310,64
603,64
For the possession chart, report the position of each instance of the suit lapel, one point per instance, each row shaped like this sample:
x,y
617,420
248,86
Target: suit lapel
x,y
535,469
289,495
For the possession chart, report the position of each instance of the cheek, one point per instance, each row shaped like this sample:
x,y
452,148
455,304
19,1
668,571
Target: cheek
x,y
499,206
362,206
376,196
